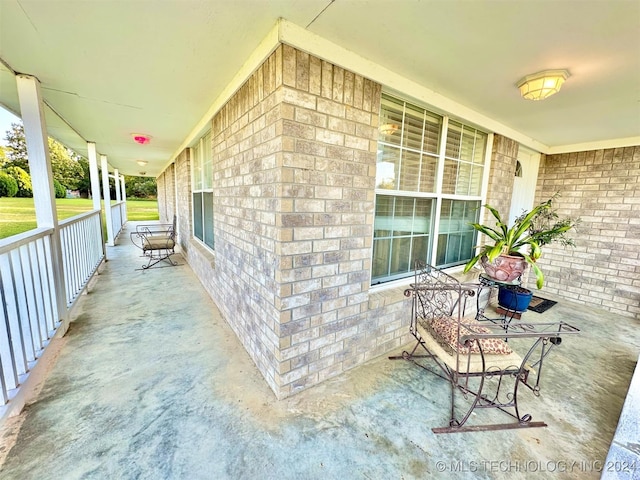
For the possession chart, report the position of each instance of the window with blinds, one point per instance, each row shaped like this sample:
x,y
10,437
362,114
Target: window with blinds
x,y
428,189
202,181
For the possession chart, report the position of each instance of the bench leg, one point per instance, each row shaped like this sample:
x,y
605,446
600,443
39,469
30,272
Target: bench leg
x,y
159,257
492,389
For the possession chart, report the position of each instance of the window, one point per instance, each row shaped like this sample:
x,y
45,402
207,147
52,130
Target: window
x,y
518,169
203,191
428,190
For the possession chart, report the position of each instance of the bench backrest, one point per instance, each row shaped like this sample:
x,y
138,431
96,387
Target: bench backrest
x,y
437,294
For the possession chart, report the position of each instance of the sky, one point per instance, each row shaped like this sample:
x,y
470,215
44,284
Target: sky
x,y
6,119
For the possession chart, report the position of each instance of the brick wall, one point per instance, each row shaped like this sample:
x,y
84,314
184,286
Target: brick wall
x,y
169,194
162,201
165,184
602,187
322,163
329,155
294,158
501,176
182,166
247,138
294,171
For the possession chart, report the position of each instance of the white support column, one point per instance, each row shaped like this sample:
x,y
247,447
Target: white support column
x,y
107,199
95,185
35,132
93,174
123,190
123,208
116,178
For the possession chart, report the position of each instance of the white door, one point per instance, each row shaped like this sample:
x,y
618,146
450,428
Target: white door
x,y
524,185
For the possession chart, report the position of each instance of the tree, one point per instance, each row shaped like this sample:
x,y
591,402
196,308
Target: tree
x,y
23,180
3,156
84,183
8,185
64,162
140,187
59,189
65,169
17,147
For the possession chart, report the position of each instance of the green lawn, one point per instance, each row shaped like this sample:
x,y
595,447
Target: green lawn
x,y
18,215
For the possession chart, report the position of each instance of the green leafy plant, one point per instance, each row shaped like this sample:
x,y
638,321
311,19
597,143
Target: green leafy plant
x,y
530,231
23,180
59,189
8,185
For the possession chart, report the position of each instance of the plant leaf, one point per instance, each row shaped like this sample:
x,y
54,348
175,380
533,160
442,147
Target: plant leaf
x,y
488,231
536,270
471,263
496,214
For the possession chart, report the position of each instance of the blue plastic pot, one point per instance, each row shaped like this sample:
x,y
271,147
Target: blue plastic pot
x,y
517,299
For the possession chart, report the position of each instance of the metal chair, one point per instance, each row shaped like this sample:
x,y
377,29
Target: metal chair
x,y
157,242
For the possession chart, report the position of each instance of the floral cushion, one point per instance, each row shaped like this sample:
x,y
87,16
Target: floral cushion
x,y
445,332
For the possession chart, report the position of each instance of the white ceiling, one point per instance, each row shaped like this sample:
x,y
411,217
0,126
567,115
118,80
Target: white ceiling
x,y
112,68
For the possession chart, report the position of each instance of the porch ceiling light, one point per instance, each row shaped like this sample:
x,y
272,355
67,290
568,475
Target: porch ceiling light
x,y
388,128
141,138
542,84
142,163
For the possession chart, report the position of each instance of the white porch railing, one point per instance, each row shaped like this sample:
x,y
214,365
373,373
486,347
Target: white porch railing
x,y
118,217
29,314
82,251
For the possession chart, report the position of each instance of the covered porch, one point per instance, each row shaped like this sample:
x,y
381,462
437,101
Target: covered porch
x,y
151,382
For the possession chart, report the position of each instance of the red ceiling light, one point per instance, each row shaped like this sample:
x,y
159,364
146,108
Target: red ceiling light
x,y
141,138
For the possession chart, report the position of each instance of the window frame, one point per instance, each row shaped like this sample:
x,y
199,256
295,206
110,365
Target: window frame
x,y
202,185
436,196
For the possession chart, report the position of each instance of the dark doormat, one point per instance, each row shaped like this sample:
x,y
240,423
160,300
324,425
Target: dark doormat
x,y
540,305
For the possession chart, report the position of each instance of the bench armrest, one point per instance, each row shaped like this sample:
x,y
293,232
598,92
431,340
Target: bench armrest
x,y
155,229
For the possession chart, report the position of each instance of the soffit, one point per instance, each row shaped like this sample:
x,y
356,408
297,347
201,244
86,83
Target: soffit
x,y
113,68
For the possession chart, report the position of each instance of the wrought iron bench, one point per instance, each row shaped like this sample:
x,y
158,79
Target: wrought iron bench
x,y
157,242
478,359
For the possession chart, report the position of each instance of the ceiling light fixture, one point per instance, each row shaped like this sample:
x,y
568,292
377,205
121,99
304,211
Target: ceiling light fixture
x,y
542,84
141,138
142,163
388,128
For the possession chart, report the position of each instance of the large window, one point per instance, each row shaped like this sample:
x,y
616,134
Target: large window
x,y
203,191
428,190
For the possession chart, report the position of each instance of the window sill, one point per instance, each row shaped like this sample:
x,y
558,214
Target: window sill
x,y
205,252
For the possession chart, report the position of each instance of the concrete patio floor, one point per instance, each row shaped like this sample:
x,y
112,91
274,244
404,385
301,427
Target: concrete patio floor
x,y
151,383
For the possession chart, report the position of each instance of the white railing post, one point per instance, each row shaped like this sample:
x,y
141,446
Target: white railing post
x,y
35,132
107,199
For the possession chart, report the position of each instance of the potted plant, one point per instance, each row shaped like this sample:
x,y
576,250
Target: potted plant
x,y
520,245
514,298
